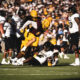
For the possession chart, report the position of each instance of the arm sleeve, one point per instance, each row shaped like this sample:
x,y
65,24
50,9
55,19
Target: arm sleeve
x,y
34,24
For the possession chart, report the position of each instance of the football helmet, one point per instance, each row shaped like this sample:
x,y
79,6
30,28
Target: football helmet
x,y
33,13
21,12
72,9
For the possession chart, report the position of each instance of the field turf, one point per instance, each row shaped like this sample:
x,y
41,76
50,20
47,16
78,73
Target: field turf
x,y
27,72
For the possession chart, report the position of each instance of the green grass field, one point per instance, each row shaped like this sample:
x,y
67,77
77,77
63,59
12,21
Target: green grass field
x,y
60,72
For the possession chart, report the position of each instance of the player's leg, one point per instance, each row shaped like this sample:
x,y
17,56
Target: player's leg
x,y
4,58
74,43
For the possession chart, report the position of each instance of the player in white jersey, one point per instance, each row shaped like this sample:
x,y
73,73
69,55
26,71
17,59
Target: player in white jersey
x,y
2,20
74,30
10,39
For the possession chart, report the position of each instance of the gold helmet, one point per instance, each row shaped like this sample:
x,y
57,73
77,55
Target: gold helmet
x,y
45,24
33,13
49,19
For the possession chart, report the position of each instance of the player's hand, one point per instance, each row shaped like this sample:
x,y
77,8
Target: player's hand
x,y
21,30
24,48
18,35
3,35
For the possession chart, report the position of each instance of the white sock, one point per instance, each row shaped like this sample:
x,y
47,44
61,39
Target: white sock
x,y
61,54
56,59
77,60
3,59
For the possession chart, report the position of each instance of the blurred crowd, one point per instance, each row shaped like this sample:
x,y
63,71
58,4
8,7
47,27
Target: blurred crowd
x,y
53,15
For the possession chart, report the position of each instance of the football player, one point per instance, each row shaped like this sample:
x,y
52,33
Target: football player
x,y
10,30
33,25
74,30
2,20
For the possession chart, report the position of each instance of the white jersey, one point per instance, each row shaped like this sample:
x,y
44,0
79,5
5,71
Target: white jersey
x,y
7,28
2,19
46,53
17,19
44,57
73,24
33,23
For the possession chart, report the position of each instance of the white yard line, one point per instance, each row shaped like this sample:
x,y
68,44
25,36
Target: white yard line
x,y
61,74
37,72
37,68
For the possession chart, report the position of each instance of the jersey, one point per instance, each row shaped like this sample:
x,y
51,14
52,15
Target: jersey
x,y
73,24
2,19
36,28
30,36
7,29
46,53
25,41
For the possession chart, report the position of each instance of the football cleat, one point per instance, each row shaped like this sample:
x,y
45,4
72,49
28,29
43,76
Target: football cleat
x,y
4,62
75,64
